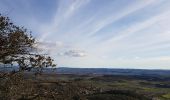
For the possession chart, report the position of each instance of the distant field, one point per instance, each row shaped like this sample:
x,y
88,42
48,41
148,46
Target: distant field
x,y
96,86
146,87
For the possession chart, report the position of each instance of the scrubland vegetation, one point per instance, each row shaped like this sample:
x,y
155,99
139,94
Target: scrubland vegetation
x,y
82,87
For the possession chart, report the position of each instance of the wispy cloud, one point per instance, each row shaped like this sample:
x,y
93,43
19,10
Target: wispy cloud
x,y
75,53
64,13
96,33
126,11
141,26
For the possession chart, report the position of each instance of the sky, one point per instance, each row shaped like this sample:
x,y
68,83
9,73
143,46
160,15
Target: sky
x,y
97,33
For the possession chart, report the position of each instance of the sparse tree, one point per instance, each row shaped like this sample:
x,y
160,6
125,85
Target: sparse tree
x,y
17,46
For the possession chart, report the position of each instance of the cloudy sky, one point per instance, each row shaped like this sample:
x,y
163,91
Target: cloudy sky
x,y
98,33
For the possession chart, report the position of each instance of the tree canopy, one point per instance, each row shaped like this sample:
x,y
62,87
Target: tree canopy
x,y
17,45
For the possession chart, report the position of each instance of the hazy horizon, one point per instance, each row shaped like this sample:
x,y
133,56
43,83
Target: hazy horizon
x,y
131,34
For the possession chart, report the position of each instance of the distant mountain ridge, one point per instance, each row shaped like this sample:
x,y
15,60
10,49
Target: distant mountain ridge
x,y
99,71
110,71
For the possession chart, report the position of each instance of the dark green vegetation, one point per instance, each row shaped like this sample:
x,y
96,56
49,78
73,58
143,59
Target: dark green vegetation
x,y
85,87
117,95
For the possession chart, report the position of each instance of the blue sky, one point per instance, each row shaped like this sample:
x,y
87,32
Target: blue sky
x,y
98,33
